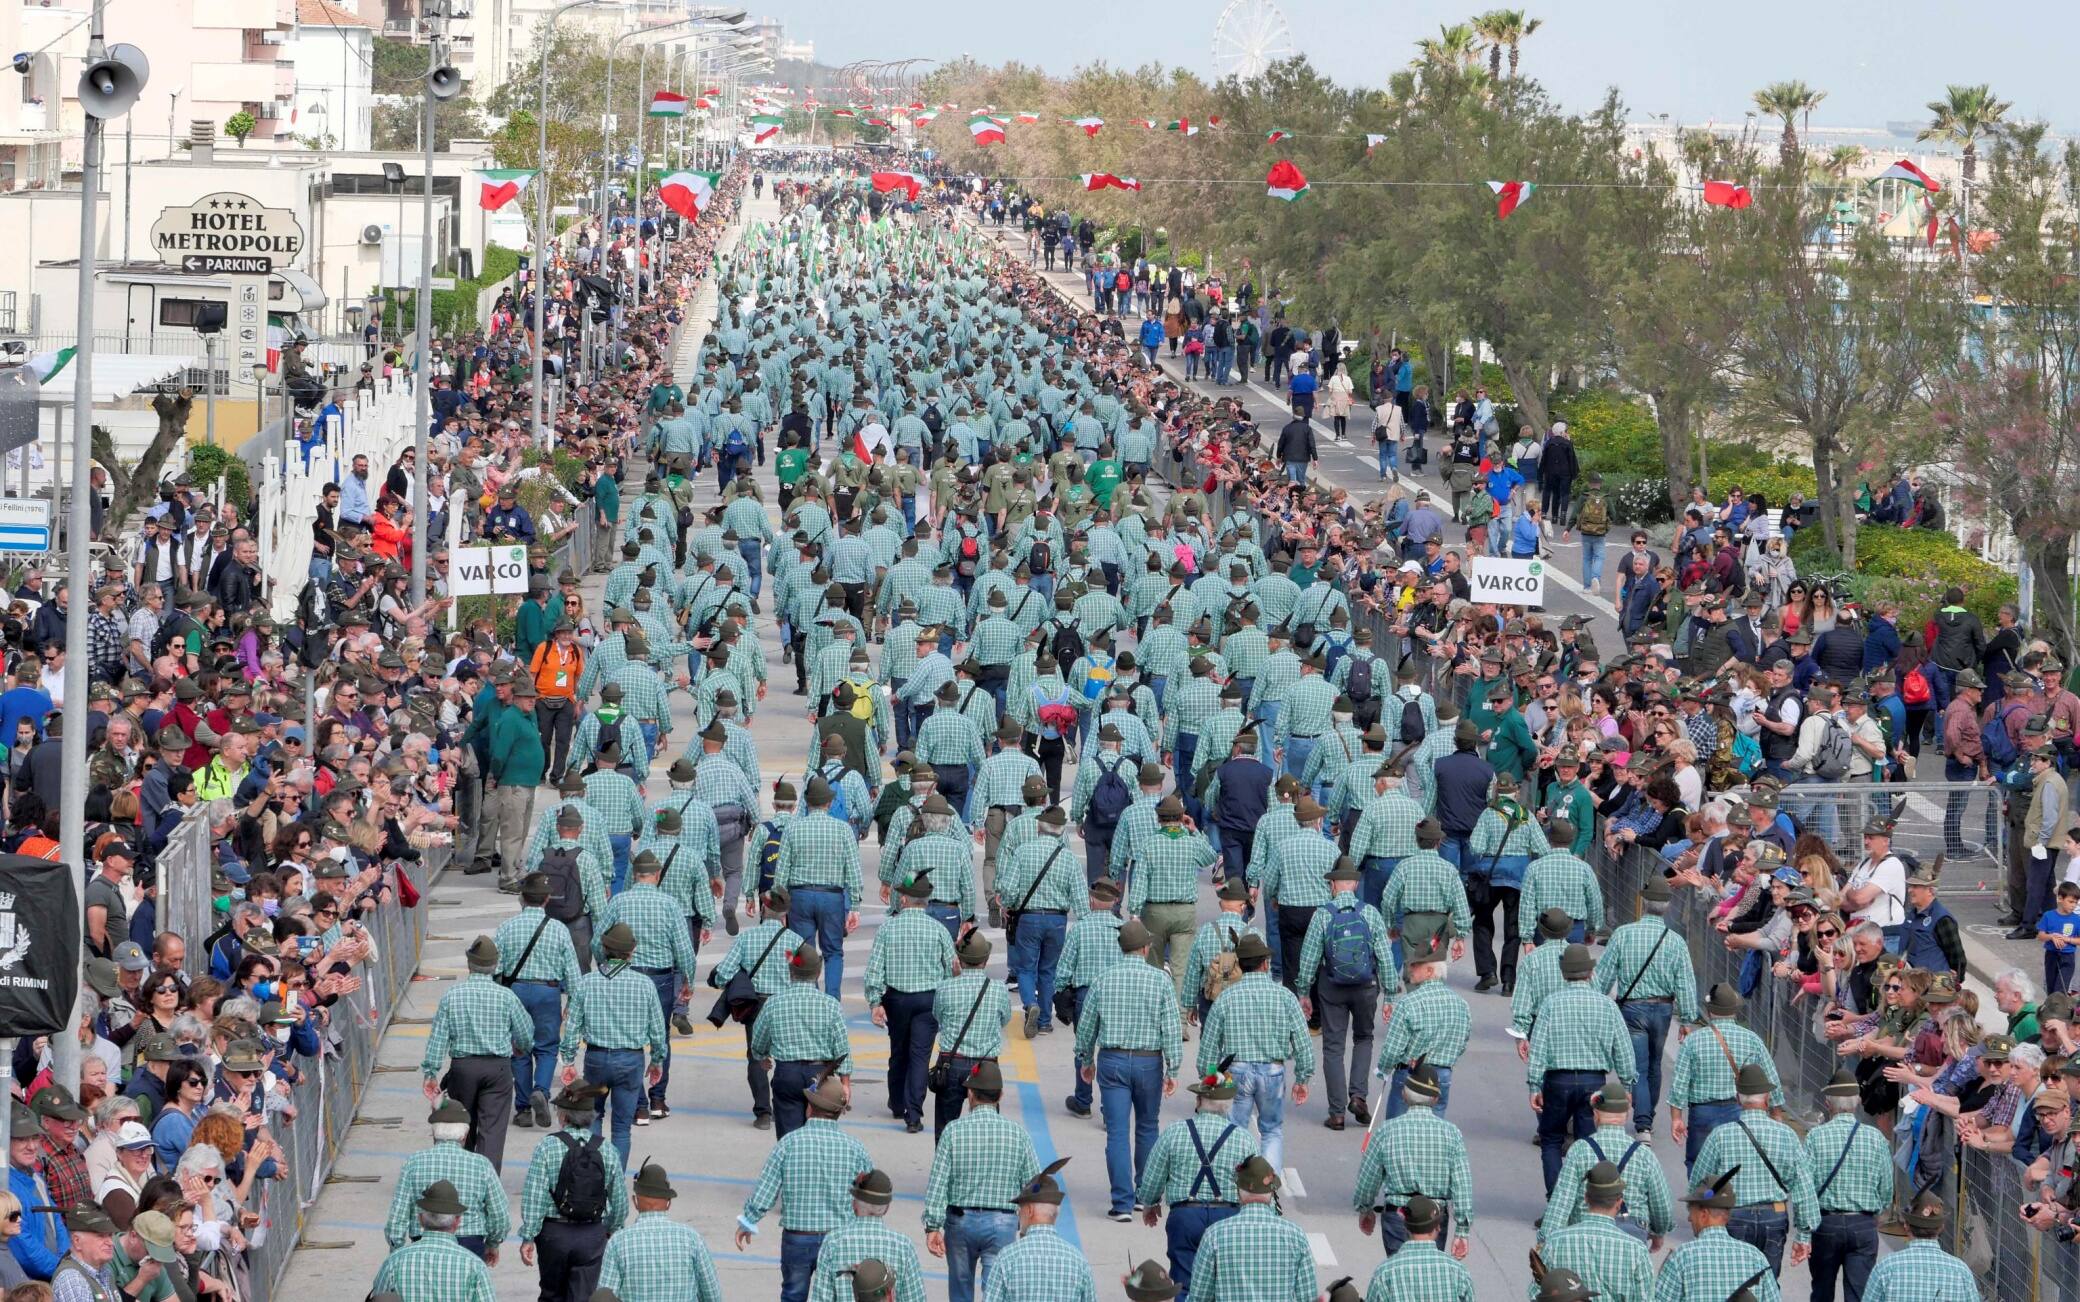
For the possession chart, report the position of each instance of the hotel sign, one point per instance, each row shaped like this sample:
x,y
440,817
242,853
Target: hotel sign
x,y
228,234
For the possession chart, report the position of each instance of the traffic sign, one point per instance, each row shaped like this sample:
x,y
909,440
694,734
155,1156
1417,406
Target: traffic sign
x,y
25,524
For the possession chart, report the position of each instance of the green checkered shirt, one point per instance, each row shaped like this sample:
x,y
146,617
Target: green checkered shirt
x,y
1174,1173
1864,1182
1420,1272
1666,973
1579,1029
1526,838
950,1005
1131,1006
1273,828
1425,882
1703,1074
810,1172
1715,1265
537,1201
435,1269
1257,1020
941,606
1222,932
1090,950
1647,1197
865,1238
995,640
949,737
984,1158
912,954
1430,1022
1297,874
948,858
643,697
819,850
1217,741
479,1018
1422,766
1608,1259
592,872
1163,653
687,869
744,952
614,1008
1187,705
1417,1152
1558,880
486,1210
553,958
1339,748
656,1259
1256,1255
1538,975
1136,826
1387,975
1040,1267
593,836
1002,780
1167,869
1306,712
619,803
1755,1143
1275,679
1246,650
660,926
802,1024
1920,1271
1387,827
1050,868
898,653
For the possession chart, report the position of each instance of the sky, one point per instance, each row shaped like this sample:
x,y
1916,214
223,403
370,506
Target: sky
x,y
1878,62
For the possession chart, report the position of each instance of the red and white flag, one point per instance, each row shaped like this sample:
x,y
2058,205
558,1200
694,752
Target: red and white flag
x,y
1912,175
499,186
1091,125
1277,134
1510,196
1726,194
688,193
986,130
868,441
908,182
1106,180
1285,181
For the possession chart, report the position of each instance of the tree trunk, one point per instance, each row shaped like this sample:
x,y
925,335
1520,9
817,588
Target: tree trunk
x,y
1788,150
1673,420
130,488
2053,595
1531,398
1825,489
1495,62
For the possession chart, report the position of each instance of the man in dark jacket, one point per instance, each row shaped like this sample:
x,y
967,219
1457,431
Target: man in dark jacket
x,y
1960,643
1557,467
1462,780
47,625
1642,590
1296,447
237,582
1243,798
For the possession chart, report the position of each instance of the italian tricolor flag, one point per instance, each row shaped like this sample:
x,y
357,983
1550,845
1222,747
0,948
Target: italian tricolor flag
x,y
46,366
1183,126
499,186
1912,175
908,182
1027,118
843,113
1727,194
986,130
925,118
1091,125
1105,180
868,440
667,104
1285,181
1146,124
1276,134
765,126
688,193
1373,140
1510,196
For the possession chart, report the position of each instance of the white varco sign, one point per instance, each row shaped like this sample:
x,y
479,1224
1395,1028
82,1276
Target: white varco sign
x,y
1507,581
228,234
488,571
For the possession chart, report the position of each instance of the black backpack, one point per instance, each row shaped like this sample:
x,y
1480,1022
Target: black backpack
x,y
566,901
1066,645
933,421
1357,684
1040,558
1412,729
1110,798
580,1191
769,854
170,630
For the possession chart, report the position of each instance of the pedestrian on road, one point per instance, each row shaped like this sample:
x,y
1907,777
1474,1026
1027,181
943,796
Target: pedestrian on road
x,y
1130,1035
433,1268
478,1029
811,1174
982,1161
565,1219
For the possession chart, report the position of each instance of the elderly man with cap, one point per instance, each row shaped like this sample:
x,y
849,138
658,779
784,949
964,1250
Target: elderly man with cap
x,y
820,869
1648,1212
1163,890
1149,1282
1714,1264
654,1258
538,963
1129,1035
1431,1025
1579,1039
970,1010
936,845
664,953
1855,1182
1923,1268
1295,882
433,1267
1044,899
1558,878
982,1161
1425,898
1420,1271
1091,949
1346,962
1255,1255
998,798
1211,966
1929,935
1608,1261
488,1217
44,1237
513,770
1253,1030
1192,1168
1652,980
615,1013
1041,1266
912,956
1773,1178
811,1174
565,1235
64,1166
865,1249
799,1035
1701,1091
478,1029
1415,1152
762,953
1499,850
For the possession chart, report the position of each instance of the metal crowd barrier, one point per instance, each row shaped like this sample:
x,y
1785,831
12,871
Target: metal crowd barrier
x,y
1927,811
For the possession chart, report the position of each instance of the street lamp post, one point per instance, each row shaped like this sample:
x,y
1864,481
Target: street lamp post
x,y
541,209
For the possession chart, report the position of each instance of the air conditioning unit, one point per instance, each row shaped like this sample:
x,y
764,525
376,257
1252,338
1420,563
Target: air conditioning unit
x,y
273,37
372,234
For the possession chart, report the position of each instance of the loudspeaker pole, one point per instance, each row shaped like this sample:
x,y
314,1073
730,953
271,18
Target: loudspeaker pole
x,y
438,73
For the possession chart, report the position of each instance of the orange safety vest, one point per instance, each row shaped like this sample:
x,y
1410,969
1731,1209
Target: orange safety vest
x,y
556,672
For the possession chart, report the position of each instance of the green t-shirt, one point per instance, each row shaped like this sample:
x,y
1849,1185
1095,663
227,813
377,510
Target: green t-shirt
x,y
790,464
1103,477
122,1270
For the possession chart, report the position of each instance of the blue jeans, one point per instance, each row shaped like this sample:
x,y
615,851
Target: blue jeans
x,y
947,915
911,1030
973,1240
1388,453
537,1071
1296,472
1260,1092
1297,751
1846,1244
667,982
818,914
1764,1229
1374,874
1034,953
1820,817
621,1071
798,1251
1396,1105
1648,1022
1130,1091
621,846
1703,1119
753,552
1081,1094
1183,1230
1592,560
1569,1108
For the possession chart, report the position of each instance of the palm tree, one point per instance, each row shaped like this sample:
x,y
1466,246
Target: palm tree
x,y
1457,47
1791,101
1504,29
1964,116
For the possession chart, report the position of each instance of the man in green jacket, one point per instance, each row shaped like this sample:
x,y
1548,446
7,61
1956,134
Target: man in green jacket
x,y
606,513
531,625
515,770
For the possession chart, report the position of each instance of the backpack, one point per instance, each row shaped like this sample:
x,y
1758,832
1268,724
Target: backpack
x,y
1595,515
1914,688
566,902
862,707
1222,970
580,1191
933,420
610,734
1831,760
1110,797
968,551
1357,684
1040,558
1056,716
1066,644
1747,754
839,809
1097,674
733,444
2000,747
1347,954
1412,729
768,853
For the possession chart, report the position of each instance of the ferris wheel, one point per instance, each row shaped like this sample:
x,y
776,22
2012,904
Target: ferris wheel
x,y
1248,37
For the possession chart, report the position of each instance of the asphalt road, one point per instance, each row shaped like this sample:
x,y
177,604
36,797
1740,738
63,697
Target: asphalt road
x,y
714,1155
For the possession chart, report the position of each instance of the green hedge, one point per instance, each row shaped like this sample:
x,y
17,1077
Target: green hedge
x,y
1612,433
1912,567
210,462
455,309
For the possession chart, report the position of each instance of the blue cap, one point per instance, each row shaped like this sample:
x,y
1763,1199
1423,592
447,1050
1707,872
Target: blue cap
x,y
263,718
235,872
1789,875
294,732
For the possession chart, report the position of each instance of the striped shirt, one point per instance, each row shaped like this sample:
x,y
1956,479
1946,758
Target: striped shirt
x,y
478,1018
1174,1173
537,1192
983,1159
810,1173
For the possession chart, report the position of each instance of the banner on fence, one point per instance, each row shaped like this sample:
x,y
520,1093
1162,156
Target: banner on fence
x,y
39,945
1508,581
485,571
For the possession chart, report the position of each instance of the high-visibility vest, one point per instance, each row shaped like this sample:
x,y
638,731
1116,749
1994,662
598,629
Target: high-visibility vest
x,y
556,670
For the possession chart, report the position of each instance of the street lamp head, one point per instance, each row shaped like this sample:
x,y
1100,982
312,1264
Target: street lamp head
x,y
393,174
